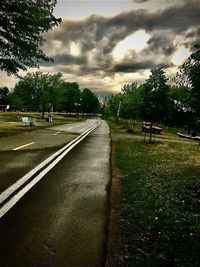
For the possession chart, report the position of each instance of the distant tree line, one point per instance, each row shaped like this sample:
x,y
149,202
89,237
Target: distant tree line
x,y
45,92
156,101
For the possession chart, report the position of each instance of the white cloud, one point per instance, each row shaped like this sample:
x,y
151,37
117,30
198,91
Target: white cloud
x,y
74,49
180,55
105,52
8,81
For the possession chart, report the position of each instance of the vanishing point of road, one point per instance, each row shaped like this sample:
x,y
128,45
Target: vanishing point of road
x,y
62,220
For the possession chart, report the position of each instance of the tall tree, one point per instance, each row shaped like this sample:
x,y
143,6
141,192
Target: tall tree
x,y
155,99
180,106
15,101
39,91
113,105
4,92
192,69
21,25
130,101
90,102
71,96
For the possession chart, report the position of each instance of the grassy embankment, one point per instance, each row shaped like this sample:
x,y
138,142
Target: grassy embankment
x,y
10,122
159,203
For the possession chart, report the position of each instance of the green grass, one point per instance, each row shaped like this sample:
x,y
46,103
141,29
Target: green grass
x,y
160,221
10,122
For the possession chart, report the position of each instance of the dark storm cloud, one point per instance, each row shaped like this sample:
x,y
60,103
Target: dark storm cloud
x,y
140,1
92,30
80,70
192,37
177,18
66,59
134,67
193,33
97,36
161,43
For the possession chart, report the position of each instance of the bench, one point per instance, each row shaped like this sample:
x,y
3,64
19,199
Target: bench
x,y
146,128
154,130
25,120
28,120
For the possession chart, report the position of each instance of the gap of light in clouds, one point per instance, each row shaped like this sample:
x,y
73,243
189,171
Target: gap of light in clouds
x,y
136,41
103,44
180,55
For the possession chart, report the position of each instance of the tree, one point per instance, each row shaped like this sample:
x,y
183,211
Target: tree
x,y
4,92
55,92
181,78
192,69
126,104
180,107
131,101
40,91
89,101
21,25
71,97
113,105
15,101
155,100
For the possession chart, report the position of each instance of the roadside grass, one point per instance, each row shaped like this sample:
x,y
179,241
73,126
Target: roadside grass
x,y
134,127
10,122
160,200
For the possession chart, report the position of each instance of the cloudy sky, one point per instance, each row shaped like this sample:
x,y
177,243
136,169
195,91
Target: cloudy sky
x,y
103,44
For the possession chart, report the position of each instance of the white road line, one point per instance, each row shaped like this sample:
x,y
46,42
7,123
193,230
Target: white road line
x,y
19,147
10,190
56,133
13,200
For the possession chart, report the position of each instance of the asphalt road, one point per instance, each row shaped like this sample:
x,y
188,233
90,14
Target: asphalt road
x,y
42,143
62,220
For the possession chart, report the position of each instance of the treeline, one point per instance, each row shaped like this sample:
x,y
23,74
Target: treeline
x,y
45,92
156,101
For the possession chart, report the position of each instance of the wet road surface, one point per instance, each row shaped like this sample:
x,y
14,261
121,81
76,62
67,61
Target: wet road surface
x,y
62,221
42,143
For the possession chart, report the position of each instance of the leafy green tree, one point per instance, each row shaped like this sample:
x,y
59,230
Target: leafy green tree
x,y
113,105
71,97
4,93
126,104
55,92
26,90
21,24
181,78
40,91
15,101
89,101
180,106
192,69
155,98
131,101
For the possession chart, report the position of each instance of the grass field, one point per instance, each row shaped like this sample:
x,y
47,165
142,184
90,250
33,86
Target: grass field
x,y
159,205
11,123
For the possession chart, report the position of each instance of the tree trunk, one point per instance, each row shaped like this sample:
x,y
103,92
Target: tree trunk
x,y
150,135
43,113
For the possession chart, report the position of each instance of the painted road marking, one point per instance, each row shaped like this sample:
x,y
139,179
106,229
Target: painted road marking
x,y
19,147
53,160
56,133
